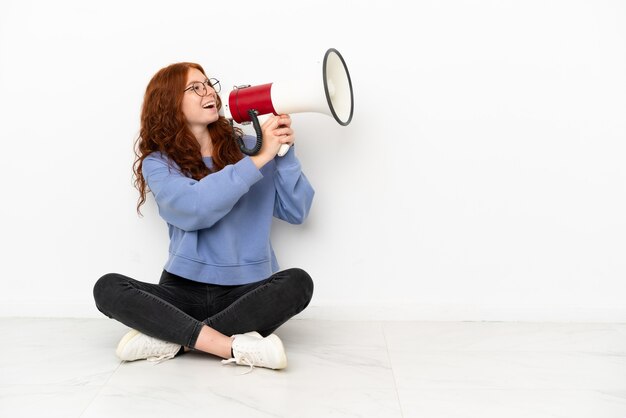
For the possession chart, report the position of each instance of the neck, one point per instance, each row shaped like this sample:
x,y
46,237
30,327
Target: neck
x,y
204,139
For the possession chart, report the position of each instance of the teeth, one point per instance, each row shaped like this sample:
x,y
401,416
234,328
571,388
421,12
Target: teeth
x,y
208,105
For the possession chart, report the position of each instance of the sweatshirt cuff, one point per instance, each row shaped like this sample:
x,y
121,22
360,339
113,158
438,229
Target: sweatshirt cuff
x,y
246,169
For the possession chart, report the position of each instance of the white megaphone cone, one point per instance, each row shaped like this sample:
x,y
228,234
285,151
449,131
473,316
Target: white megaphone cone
x,y
327,91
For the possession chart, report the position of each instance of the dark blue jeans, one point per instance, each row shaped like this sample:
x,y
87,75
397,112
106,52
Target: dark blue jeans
x,y
176,309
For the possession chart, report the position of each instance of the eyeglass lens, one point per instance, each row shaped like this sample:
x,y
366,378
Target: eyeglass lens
x,y
199,88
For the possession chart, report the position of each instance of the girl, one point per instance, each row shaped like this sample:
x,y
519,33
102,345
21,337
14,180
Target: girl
x,y
221,291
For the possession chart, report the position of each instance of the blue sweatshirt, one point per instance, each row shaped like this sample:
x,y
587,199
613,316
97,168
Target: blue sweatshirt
x,y
219,227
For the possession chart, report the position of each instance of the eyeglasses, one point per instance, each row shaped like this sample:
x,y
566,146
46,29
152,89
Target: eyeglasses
x,y
201,88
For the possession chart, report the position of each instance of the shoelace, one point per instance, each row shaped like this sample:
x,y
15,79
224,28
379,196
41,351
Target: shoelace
x,y
244,361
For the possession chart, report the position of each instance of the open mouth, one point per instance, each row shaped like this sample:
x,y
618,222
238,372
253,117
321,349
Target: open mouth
x,y
209,105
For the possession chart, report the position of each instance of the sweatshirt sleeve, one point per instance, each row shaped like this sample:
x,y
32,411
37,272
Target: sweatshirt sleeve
x,y
294,193
190,204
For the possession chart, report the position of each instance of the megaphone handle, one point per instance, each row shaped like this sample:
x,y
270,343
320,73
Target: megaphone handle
x,y
283,150
259,135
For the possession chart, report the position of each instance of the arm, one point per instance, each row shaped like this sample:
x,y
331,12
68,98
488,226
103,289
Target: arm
x,y
189,204
294,194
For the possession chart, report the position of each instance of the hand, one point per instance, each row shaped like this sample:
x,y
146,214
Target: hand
x,y
276,131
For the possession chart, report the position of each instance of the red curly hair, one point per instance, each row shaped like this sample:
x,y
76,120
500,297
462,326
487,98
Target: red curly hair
x,y
164,129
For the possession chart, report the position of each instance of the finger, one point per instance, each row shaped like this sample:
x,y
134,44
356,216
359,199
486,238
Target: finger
x,y
287,139
285,120
283,131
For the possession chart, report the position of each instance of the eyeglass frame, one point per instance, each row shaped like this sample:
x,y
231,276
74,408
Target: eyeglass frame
x,y
212,82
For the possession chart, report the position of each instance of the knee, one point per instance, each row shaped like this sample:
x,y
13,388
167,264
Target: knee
x,y
302,284
106,289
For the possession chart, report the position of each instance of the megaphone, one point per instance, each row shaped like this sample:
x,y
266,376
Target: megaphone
x,y
329,93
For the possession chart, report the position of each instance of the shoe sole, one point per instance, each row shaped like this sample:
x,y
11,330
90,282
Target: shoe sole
x,y
281,360
125,339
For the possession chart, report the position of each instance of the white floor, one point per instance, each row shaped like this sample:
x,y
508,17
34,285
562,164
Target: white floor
x,y
67,368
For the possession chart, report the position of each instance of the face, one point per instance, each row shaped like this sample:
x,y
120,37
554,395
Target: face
x,y
199,111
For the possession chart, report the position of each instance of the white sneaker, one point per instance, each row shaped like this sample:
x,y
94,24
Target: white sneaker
x,y
250,350
137,346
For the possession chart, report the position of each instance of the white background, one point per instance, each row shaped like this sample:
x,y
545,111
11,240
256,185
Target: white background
x,y
482,177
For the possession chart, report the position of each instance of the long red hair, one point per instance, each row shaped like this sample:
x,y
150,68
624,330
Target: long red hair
x,y
164,129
